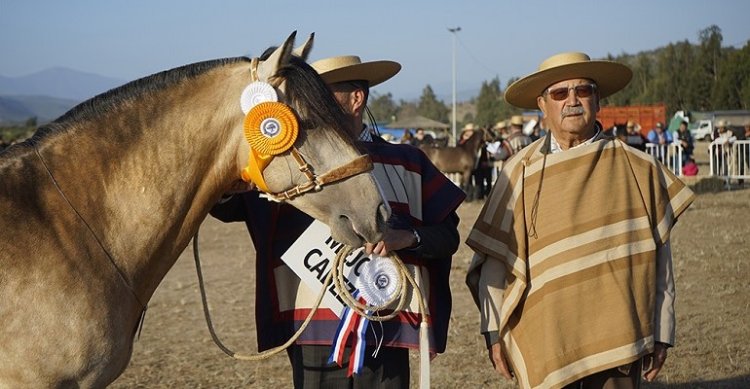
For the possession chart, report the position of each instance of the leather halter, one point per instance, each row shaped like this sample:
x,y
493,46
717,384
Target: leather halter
x,y
315,182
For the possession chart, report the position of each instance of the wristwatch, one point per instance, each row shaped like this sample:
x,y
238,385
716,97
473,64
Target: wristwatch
x,y
417,238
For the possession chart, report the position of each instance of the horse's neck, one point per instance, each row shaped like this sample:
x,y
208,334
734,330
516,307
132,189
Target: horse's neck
x,y
145,176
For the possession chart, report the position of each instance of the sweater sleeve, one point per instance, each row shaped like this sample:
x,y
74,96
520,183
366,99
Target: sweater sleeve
x,y
664,316
486,281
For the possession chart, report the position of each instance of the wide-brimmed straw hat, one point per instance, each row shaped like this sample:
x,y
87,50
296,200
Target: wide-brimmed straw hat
x,y
516,120
500,125
609,76
351,68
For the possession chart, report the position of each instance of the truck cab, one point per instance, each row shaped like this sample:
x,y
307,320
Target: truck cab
x,y
702,130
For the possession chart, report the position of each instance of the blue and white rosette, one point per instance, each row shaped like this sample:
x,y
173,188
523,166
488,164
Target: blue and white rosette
x,y
378,282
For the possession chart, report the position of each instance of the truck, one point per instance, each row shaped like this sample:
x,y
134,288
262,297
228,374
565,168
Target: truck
x,y
703,123
644,116
702,129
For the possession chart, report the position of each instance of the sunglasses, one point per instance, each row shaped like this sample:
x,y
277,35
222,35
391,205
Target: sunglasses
x,y
581,91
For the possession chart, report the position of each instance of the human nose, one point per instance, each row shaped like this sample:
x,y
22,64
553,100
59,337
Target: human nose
x,y
572,97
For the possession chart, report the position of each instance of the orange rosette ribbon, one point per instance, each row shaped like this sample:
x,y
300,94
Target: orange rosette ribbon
x,y
271,128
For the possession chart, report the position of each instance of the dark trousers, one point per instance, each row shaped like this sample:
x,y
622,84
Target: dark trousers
x,y
311,370
623,377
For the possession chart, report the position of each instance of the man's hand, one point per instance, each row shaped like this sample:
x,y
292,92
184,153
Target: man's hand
x,y
655,360
392,240
498,361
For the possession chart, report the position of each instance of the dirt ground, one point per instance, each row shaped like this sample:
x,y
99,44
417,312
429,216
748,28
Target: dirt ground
x,y
712,268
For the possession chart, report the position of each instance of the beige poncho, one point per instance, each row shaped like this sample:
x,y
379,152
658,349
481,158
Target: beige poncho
x,y
575,237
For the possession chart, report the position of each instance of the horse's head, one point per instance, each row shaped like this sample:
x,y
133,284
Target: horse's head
x,y
300,151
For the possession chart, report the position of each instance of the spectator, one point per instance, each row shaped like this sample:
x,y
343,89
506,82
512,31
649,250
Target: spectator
x,y
466,133
686,141
633,136
421,138
517,139
658,136
407,138
721,149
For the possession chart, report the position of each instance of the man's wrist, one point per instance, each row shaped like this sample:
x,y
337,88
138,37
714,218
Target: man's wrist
x,y
491,337
417,239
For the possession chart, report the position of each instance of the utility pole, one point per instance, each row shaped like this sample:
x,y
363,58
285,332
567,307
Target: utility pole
x,y
454,31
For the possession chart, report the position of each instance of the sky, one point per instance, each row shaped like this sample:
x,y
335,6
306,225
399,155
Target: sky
x,y
135,38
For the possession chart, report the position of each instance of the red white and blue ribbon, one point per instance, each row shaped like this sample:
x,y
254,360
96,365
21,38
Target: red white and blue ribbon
x,y
357,357
350,323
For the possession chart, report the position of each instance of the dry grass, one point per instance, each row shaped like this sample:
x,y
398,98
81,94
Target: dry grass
x,y
712,267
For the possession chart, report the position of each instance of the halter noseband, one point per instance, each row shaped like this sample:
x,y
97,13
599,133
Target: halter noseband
x,y
259,160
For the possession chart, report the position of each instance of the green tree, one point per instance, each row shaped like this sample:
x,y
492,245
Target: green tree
x,y
705,69
732,89
507,110
430,107
406,109
489,103
383,107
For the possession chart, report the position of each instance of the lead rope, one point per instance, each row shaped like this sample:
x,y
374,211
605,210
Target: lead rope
x,y
336,275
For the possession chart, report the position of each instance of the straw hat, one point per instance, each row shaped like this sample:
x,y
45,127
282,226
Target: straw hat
x,y
351,68
609,76
500,125
469,127
516,120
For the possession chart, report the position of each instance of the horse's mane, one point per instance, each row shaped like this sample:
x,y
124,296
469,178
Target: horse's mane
x,y
305,87
113,98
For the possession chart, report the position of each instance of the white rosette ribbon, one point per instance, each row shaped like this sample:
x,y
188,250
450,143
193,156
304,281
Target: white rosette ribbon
x,y
255,93
378,282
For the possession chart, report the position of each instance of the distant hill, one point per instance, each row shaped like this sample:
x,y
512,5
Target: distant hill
x,y
48,94
58,82
17,109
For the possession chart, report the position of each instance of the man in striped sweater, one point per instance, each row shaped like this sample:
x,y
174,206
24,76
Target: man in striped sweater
x,y
572,270
423,231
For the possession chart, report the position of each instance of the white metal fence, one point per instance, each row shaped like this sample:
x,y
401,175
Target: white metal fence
x,y
730,160
670,155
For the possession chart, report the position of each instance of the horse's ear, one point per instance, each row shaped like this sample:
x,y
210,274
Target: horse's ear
x,y
277,59
304,50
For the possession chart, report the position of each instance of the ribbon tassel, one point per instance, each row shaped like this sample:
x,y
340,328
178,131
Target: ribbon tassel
x,y
351,323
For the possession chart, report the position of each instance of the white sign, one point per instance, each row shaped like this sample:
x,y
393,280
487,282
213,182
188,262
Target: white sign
x,y
311,258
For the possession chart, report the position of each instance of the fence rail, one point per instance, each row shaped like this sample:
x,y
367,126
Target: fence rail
x,y
670,155
730,160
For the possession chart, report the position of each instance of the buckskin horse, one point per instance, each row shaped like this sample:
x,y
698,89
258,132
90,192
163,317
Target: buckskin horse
x,y
98,205
458,159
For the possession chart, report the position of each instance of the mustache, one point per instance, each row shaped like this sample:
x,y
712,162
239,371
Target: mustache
x,y
567,111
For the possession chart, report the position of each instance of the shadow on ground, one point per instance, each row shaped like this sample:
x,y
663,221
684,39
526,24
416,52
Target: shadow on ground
x,y
734,382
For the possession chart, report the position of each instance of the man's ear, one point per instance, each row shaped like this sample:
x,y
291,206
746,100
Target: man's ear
x,y
358,100
542,105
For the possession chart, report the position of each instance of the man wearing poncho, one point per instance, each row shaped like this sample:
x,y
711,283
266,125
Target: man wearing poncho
x,y
423,230
572,269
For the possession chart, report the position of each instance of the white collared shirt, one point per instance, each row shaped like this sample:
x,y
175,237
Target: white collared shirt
x,y
554,147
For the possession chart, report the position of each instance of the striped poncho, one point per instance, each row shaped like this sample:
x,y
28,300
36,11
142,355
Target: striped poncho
x,y
567,254
419,195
